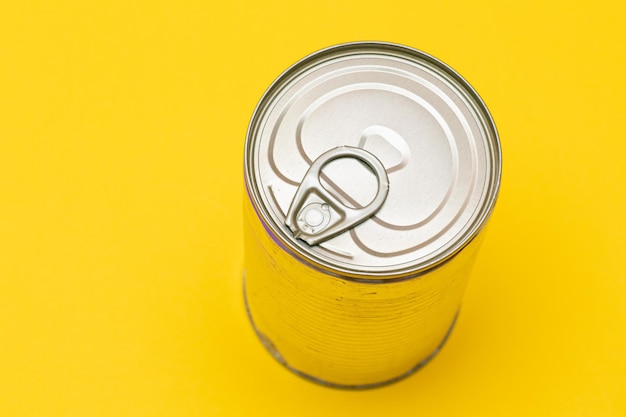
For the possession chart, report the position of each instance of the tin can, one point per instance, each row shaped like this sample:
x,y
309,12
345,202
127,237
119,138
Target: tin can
x,y
371,170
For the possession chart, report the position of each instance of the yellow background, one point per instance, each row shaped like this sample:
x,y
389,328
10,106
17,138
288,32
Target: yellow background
x,y
121,141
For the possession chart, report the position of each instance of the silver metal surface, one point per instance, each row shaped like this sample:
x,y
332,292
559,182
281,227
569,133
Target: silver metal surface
x,y
315,215
425,124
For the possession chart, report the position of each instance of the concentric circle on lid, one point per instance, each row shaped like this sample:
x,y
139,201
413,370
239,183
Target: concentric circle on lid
x,y
419,118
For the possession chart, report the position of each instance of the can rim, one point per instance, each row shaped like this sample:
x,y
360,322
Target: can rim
x,y
393,273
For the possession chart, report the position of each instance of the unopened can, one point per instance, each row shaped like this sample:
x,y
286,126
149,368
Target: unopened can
x,y
371,170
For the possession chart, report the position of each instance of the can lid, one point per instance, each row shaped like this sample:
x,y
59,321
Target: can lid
x,y
372,159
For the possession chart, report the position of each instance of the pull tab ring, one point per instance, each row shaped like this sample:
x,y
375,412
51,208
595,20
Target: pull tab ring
x,y
315,215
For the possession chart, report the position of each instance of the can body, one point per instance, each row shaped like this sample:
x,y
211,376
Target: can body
x,y
345,292
342,332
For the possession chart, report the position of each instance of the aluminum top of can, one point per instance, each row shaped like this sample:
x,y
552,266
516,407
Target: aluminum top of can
x,y
352,122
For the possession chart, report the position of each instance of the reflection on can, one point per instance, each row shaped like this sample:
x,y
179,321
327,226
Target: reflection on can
x,y
371,170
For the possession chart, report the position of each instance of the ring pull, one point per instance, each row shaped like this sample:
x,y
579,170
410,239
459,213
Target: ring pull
x,y
315,215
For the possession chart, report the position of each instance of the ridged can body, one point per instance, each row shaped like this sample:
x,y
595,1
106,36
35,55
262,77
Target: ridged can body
x,y
341,295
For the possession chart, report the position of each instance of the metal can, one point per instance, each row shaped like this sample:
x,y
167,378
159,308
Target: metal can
x,y
371,170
